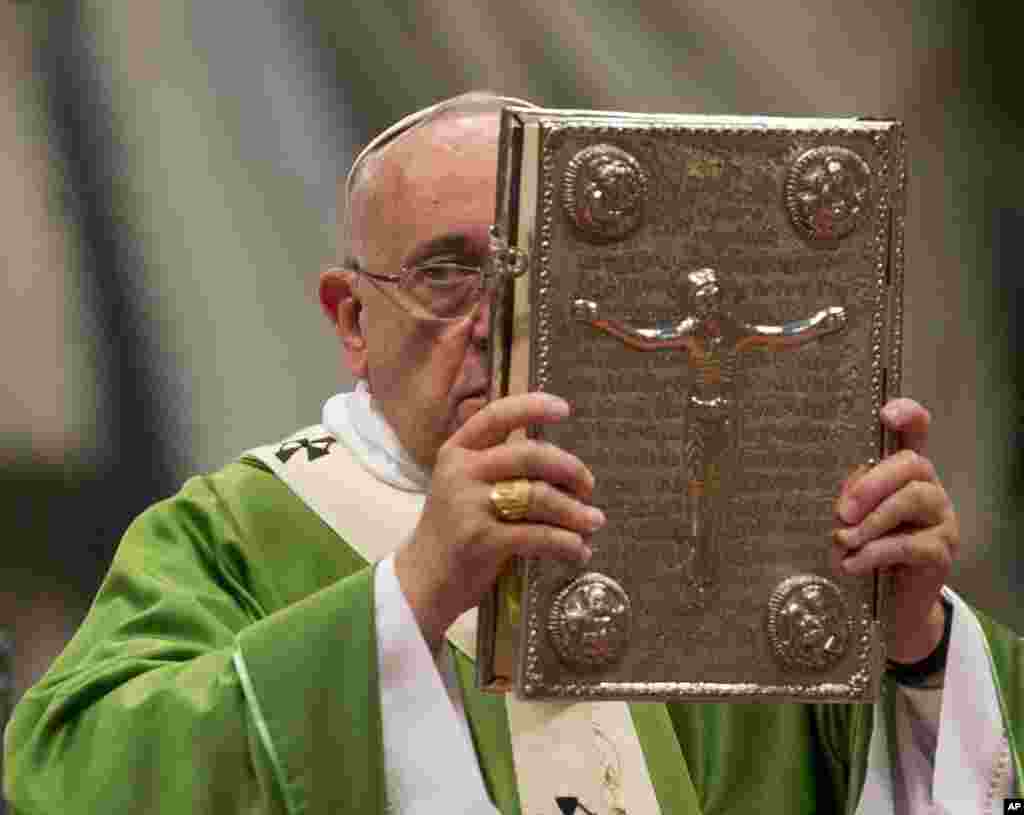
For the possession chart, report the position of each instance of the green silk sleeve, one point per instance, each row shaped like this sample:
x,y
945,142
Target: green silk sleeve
x,y
214,673
1007,650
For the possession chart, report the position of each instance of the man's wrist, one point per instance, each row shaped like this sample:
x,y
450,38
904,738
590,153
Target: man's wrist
x,y
918,674
425,612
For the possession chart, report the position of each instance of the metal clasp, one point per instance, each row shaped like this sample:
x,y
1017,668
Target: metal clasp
x,y
506,262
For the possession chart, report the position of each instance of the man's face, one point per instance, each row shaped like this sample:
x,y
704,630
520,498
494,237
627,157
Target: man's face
x,y
429,196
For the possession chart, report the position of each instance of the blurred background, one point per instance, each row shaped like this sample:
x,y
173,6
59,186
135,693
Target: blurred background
x,y
167,197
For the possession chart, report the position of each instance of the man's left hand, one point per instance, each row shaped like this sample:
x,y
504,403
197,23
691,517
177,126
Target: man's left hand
x,y
897,517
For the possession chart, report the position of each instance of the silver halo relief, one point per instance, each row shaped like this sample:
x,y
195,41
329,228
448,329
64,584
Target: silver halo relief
x,y
827,193
809,625
589,622
604,190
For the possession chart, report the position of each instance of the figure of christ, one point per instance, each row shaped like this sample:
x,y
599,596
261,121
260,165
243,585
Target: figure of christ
x,y
714,338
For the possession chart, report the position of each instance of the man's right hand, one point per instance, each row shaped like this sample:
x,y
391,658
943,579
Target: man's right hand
x,y
460,546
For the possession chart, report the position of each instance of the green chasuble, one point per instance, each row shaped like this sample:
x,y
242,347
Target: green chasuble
x,y
228,665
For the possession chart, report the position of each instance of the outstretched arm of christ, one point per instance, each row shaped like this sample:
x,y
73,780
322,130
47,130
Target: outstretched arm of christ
x,y
661,335
791,334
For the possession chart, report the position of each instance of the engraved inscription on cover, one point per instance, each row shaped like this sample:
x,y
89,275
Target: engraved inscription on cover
x,y
712,304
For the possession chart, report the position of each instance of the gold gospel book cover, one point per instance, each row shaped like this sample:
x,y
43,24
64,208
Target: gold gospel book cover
x,y
720,300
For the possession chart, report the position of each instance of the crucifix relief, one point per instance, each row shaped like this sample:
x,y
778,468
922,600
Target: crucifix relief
x,y
713,339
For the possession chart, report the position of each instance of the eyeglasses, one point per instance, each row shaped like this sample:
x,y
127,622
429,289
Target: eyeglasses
x,y
442,290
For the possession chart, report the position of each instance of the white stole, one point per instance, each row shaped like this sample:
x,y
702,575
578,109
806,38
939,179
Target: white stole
x,y
373,499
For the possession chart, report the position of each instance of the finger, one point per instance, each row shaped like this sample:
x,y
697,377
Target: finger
x,y
543,541
551,506
538,461
852,478
881,481
918,504
919,551
836,554
492,424
910,420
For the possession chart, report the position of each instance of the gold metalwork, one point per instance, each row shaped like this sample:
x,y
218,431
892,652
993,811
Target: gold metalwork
x,y
511,499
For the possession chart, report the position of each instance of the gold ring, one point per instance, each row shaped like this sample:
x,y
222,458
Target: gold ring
x,y
511,499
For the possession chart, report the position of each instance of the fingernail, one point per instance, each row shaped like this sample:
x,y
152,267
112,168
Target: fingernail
x,y
848,510
845,537
595,518
588,553
559,407
892,413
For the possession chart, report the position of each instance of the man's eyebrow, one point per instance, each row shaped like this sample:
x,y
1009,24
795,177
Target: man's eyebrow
x,y
453,243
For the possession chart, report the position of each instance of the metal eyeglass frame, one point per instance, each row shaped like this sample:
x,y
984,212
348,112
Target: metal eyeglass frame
x,y
410,306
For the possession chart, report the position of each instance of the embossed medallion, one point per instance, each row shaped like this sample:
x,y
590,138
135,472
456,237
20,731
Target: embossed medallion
x,y
726,368
808,623
827,193
604,190
589,622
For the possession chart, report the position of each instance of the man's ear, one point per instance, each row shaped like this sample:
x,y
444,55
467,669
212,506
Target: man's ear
x,y
343,308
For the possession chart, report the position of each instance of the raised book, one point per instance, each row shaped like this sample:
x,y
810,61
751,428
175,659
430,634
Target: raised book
x,y
720,300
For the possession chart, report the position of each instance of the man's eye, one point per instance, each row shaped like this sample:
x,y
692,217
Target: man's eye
x,y
439,272
445,274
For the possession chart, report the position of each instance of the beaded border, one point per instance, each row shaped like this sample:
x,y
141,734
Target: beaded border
x,y
858,686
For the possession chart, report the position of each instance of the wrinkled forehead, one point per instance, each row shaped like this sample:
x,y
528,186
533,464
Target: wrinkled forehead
x,y
436,180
